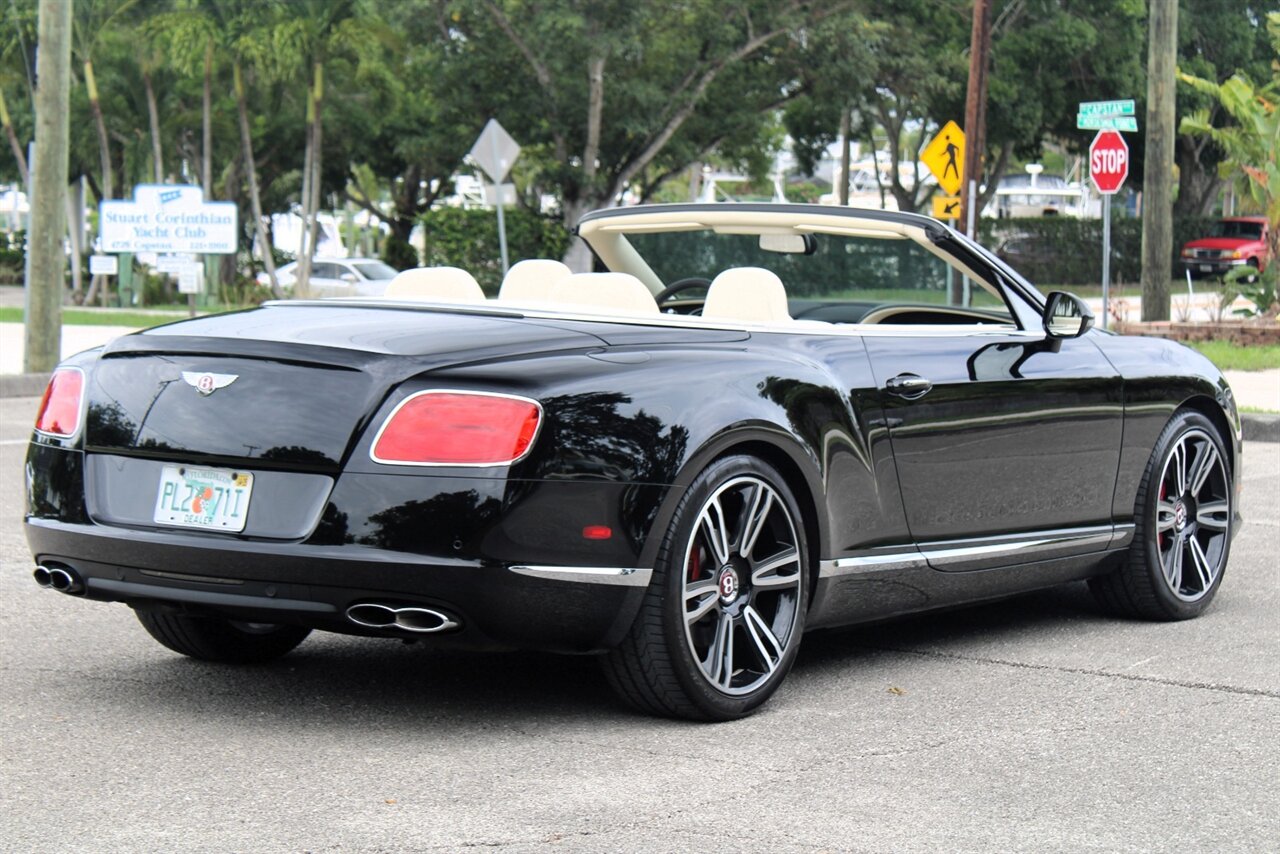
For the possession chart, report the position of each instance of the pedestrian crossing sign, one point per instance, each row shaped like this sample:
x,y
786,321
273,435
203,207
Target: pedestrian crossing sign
x,y
944,155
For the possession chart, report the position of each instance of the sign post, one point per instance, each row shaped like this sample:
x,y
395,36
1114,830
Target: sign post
x,y
1108,167
494,152
944,155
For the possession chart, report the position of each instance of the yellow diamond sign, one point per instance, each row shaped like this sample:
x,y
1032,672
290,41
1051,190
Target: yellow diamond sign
x,y
946,207
944,155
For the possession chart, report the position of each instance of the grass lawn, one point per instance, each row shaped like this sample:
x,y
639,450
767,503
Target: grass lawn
x,y
1233,357
98,317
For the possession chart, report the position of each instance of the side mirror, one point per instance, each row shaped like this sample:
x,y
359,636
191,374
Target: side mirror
x,y
349,278
1066,316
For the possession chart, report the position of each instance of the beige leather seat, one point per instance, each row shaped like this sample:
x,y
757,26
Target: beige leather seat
x,y
532,280
603,293
437,284
748,294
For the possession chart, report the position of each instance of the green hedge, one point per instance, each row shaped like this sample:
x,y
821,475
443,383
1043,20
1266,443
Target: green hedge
x,y
468,238
1073,247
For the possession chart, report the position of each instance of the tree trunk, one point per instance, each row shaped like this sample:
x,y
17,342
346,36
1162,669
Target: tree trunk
x,y
48,263
843,194
153,113
578,256
1198,188
317,161
206,125
251,173
1157,183
14,144
302,277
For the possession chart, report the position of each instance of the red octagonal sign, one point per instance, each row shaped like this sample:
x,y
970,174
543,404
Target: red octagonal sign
x,y
1108,161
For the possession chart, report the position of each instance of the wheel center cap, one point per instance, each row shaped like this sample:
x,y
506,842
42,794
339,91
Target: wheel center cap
x,y
1179,516
728,584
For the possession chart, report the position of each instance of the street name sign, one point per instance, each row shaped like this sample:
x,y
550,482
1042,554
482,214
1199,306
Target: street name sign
x,y
1090,122
1108,161
944,155
1107,108
168,218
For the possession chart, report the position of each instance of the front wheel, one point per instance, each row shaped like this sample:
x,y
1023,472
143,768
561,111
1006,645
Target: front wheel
x,y
1182,527
215,639
721,621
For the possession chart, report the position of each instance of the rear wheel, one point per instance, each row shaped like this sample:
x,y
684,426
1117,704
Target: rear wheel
x,y
1182,533
722,618
215,639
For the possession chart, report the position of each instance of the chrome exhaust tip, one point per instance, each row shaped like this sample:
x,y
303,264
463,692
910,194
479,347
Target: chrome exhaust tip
x,y
43,576
373,615
64,581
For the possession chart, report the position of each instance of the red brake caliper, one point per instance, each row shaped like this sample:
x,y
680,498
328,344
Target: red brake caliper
x,y
695,562
1164,535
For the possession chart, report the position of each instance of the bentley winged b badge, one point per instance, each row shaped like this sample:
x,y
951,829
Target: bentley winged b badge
x,y
207,383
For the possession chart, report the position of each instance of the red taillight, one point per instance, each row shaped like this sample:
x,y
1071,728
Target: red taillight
x,y
458,428
60,408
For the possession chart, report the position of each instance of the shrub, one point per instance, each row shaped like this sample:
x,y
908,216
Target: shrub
x,y
399,253
468,238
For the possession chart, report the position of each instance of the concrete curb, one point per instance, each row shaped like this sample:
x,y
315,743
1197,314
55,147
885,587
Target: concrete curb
x,y
23,385
1258,427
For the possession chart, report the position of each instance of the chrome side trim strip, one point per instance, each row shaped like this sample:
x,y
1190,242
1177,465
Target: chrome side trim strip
x,y
1029,546
1123,535
870,563
619,576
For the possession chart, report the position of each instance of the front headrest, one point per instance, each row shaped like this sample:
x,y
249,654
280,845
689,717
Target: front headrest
x,y
615,292
440,284
532,280
751,294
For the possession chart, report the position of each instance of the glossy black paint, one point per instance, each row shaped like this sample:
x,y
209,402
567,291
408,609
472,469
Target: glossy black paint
x,y
1013,433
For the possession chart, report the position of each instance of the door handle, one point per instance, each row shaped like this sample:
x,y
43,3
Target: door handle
x,y
909,386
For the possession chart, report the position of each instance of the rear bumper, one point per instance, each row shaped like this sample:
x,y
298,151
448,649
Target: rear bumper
x,y
559,608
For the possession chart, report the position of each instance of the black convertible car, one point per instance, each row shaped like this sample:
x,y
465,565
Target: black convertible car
x,y
760,420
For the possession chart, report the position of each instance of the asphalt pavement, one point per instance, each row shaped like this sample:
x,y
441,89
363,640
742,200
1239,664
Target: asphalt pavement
x,y
1035,724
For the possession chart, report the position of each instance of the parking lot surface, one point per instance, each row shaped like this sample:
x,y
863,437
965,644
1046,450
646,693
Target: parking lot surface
x,y
1032,724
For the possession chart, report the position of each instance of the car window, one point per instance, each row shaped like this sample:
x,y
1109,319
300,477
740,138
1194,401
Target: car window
x,y
1231,228
324,270
375,270
839,278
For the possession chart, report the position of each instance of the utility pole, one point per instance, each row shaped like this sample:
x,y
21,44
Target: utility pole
x,y
48,262
1157,179
975,113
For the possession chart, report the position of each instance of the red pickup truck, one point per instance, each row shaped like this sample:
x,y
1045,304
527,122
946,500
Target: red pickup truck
x,y
1232,241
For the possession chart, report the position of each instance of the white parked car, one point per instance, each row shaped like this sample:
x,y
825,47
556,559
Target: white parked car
x,y
338,277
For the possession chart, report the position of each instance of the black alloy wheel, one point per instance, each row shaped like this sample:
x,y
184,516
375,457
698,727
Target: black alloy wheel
x,y
1182,534
722,618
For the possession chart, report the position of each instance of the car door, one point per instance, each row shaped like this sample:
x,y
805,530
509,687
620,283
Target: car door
x,y
1006,442
325,280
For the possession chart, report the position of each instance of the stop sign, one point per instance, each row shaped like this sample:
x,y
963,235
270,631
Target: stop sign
x,y
1108,161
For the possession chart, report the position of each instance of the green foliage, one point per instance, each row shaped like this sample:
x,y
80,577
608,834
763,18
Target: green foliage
x,y
1262,289
1068,251
468,238
398,253
1235,357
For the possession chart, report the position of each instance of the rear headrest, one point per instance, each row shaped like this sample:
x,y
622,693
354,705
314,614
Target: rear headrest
x,y
614,292
532,280
439,284
750,294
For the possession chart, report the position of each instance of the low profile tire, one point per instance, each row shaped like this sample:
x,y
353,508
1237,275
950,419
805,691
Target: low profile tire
x,y
1182,534
723,614
227,641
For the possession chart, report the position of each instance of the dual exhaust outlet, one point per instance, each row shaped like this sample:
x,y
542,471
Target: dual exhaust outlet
x,y
374,615
58,578
371,615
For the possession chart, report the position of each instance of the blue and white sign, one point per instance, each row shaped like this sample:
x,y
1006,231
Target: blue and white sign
x,y
168,218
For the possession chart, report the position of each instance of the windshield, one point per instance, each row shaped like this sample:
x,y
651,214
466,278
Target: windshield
x,y
1235,228
834,268
375,270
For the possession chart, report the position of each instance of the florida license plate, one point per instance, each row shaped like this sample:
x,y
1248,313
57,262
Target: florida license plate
x,y
212,499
